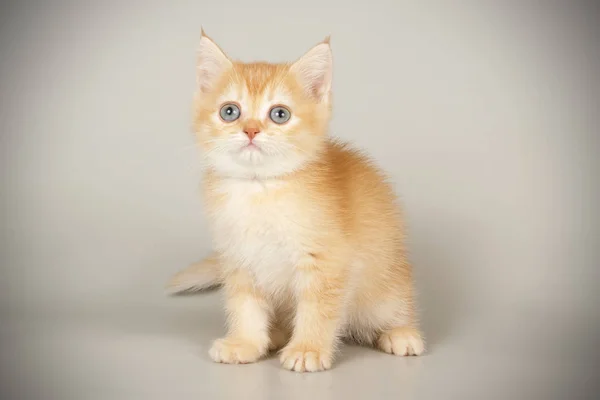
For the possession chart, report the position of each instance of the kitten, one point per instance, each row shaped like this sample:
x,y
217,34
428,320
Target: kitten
x,y
308,237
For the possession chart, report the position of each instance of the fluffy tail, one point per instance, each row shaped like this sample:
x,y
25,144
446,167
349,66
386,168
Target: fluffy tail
x,y
203,275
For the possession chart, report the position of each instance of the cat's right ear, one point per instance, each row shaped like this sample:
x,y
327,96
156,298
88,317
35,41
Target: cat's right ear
x,y
212,63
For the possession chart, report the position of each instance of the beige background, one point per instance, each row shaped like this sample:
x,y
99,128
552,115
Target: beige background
x,y
485,114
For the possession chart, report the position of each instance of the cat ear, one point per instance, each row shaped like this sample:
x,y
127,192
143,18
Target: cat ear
x,y
314,71
212,63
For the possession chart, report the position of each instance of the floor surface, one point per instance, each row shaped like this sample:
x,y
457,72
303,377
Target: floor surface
x,y
159,351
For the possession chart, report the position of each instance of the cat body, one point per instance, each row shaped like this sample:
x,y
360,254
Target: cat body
x,y
307,235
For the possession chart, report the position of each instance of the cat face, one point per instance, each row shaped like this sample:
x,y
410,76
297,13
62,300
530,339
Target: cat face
x,y
261,120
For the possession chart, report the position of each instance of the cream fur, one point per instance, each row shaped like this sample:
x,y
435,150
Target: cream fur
x,y
307,234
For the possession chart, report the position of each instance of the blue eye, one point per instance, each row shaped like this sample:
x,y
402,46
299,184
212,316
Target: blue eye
x,y
280,115
229,112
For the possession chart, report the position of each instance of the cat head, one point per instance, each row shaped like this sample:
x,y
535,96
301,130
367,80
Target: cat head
x,y
261,120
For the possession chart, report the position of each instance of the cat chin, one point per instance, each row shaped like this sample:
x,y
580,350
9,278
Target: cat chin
x,y
251,156
254,166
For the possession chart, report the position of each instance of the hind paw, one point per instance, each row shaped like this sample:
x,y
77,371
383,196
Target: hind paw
x,y
404,341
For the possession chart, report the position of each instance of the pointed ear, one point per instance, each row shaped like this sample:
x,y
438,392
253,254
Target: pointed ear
x,y
212,63
314,71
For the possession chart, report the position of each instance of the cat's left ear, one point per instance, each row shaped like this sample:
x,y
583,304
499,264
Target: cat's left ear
x,y
212,63
314,71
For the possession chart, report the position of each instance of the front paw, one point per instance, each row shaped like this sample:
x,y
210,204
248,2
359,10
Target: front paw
x,y
301,358
234,351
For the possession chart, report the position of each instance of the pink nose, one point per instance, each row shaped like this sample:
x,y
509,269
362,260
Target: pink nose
x,y
251,131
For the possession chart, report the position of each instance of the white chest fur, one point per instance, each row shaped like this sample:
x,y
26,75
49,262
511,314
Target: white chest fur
x,y
259,226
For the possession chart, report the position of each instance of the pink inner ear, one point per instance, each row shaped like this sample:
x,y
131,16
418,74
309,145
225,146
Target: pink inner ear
x,y
208,73
204,80
317,86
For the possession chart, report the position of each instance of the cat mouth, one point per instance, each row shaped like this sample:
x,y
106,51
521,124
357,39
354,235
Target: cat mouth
x,y
251,146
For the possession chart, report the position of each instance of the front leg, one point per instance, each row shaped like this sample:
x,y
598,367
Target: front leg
x,y
320,288
248,322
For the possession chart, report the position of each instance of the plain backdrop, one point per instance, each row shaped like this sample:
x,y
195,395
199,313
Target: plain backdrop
x,y
485,115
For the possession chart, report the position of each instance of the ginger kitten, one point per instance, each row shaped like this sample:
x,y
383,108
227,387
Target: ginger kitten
x,y
308,238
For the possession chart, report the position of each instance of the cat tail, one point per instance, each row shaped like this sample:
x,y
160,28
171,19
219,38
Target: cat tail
x,y
203,275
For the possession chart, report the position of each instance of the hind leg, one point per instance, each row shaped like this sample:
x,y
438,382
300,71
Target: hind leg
x,y
387,325
400,335
395,336
385,314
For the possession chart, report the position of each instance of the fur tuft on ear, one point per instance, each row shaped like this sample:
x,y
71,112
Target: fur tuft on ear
x,y
314,71
212,63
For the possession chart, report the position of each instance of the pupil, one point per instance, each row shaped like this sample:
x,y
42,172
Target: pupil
x,y
229,110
